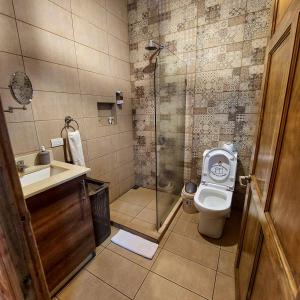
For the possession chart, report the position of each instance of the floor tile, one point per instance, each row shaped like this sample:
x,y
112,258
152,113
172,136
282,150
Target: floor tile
x,y
224,288
226,263
196,251
87,286
193,218
119,272
158,288
231,232
126,208
147,215
190,230
99,249
147,225
119,218
152,204
186,273
141,197
138,259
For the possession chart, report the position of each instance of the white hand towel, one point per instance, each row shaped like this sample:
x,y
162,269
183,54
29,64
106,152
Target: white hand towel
x,y
76,148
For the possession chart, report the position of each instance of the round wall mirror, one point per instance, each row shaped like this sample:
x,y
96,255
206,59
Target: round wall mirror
x,y
21,88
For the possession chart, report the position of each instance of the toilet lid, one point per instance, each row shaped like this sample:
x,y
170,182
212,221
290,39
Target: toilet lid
x,y
219,167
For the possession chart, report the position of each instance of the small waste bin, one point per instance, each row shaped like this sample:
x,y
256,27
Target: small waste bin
x,y
99,199
187,195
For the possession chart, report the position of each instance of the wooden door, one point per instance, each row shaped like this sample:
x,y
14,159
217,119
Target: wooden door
x,y
21,272
268,260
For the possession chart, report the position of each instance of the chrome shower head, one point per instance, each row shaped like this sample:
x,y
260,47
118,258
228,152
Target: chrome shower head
x,y
151,46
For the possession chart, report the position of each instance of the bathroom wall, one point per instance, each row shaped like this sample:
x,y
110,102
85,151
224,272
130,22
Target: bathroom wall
x,y
223,43
76,54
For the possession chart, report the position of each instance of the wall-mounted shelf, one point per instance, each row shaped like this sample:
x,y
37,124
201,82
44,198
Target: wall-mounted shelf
x,y
107,113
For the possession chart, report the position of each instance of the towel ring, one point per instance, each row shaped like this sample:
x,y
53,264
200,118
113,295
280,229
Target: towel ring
x,y
68,120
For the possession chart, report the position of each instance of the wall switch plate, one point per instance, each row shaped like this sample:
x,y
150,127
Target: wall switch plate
x,y
57,142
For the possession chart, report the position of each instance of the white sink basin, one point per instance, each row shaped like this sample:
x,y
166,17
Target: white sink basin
x,y
40,175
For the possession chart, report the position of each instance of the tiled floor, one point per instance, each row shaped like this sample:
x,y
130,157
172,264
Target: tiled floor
x,y
136,209
186,266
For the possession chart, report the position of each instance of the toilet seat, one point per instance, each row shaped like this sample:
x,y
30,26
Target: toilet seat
x,y
219,168
213,200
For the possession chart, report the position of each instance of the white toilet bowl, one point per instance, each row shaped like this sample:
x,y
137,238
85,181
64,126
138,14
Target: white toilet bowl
x,y
213,205
214,194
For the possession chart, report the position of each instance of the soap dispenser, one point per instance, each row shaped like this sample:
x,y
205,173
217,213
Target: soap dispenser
x,y
44,156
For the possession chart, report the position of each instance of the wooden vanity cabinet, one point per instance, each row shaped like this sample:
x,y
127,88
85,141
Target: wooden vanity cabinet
x,y
62,224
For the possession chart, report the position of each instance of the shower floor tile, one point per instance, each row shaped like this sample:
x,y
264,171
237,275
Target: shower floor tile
x,y
136,211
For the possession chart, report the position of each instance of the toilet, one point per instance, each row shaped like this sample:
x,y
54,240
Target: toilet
x,y
214,194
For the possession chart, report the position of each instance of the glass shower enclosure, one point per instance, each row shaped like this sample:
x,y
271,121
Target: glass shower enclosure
x,y
170,108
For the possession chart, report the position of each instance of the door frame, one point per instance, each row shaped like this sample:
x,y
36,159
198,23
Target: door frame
x,y
23,271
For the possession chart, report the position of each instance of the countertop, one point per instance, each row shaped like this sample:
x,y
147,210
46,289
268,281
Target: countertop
x,y
70,172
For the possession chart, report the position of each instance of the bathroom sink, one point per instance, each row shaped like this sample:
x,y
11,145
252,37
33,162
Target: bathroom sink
x,y
40,175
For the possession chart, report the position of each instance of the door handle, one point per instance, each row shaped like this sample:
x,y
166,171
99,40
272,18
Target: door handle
x,y
243,179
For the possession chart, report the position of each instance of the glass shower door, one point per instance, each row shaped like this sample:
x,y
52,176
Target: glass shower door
x,y
170,86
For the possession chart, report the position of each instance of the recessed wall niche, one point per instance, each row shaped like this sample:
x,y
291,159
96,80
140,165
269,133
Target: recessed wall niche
x,y
107,113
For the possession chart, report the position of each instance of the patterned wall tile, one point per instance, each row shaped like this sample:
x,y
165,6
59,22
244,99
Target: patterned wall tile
x,y
223,43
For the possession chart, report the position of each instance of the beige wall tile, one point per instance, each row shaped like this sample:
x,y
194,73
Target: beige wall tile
x,y
118,8
101,166
125,123
58,153
89,104
6,7
122,140
117,27
96,84
99,147
38,43
126,185
48,105
46,15
91,11
125,155
23,137
66,4
93,129
18,115
9,64
47,130
9,35
101,2
124,86
89,35
126,171
52,77
119,68
92,60
118,48
126,108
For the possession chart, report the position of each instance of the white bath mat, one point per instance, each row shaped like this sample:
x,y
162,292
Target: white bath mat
x,y
135,243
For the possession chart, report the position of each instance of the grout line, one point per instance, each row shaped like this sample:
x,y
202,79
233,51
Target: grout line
x,y
102,280
198,294
216,274
72,40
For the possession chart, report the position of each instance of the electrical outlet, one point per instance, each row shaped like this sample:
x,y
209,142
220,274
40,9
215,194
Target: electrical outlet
x,y
57,142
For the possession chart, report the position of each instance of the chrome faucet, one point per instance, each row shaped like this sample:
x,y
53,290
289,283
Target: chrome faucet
x,y
21,167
